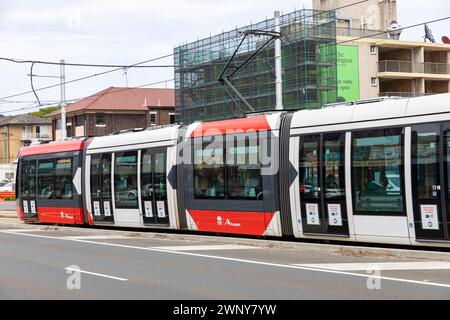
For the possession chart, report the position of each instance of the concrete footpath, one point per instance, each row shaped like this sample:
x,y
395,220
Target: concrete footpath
x,y
8,214
9,220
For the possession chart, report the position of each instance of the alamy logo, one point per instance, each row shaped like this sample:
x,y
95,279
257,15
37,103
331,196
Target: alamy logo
x,y
374,280
74,280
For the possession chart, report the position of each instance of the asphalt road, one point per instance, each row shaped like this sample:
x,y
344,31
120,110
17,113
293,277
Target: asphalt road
x,y
90,264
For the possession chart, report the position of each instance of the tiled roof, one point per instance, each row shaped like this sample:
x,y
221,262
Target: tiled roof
x,y
23,119
124,99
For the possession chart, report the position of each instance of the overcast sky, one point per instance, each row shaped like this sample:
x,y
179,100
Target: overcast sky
x,y
126,32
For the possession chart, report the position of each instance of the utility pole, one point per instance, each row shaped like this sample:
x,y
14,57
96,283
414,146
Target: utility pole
x,y
278,70
63,101
62,104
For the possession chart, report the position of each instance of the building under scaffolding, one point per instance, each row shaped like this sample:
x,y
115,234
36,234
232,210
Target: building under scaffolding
x,y
308,41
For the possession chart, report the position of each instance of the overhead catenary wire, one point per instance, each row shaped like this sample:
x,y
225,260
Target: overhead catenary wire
x,y
158,58
32,86
34,106
118,68
168,55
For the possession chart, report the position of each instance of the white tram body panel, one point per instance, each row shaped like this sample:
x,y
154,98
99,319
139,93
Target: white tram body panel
x,y
375,171
155,146
411,116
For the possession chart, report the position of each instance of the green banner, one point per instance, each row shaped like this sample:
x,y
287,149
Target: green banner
x,y
348,72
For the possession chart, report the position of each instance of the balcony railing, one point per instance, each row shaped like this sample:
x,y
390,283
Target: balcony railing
x,y
357,33
36,136
413,67
403,94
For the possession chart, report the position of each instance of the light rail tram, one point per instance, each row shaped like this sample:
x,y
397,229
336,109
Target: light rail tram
x,y
371,171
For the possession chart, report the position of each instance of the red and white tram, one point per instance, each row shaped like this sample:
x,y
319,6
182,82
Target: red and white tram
x,y
374,171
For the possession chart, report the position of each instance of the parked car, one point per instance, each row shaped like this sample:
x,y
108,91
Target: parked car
x,y
9,186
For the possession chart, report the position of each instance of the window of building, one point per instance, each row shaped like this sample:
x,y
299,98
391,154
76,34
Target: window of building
x,y
373,49
209,172
377,172
153,118
373,81
125,180
55,179
79,121
100,119
26,133
172,118
43,132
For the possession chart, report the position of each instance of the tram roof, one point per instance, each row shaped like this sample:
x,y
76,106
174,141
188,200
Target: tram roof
x,y
370,111
52,147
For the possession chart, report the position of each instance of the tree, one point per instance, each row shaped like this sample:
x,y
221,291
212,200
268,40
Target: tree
x,y
43,112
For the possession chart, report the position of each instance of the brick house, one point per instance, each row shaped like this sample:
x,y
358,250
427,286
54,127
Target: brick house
x,y
115,109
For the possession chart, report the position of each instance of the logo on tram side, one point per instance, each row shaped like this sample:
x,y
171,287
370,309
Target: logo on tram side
x,y
227,222
231,224
66,216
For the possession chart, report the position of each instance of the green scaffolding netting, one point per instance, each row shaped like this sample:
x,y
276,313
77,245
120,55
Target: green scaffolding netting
x,y
308,63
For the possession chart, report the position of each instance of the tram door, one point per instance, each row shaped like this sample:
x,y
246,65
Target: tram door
x,y
101,197
28,189
153,187
431,180
322,184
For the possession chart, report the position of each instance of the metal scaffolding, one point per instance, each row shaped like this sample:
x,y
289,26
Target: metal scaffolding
x,y
308,52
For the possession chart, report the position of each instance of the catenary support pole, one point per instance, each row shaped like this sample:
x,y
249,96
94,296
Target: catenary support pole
x,y
63,101
278,70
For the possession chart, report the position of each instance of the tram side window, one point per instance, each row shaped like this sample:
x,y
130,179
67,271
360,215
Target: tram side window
x,y
377,173
244,171
24,179
46,189
209,171
63,179
95,176
125,180
28,179
55,179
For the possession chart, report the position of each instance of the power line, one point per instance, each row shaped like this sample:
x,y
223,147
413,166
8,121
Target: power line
x,y
83,78
25,61
118,68
219,40
399,29
33,106
158,58
82,64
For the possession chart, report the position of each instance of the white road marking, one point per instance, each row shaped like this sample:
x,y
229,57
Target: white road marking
x,y
96,274
97,237
206,247
278,265
381,266
19,230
